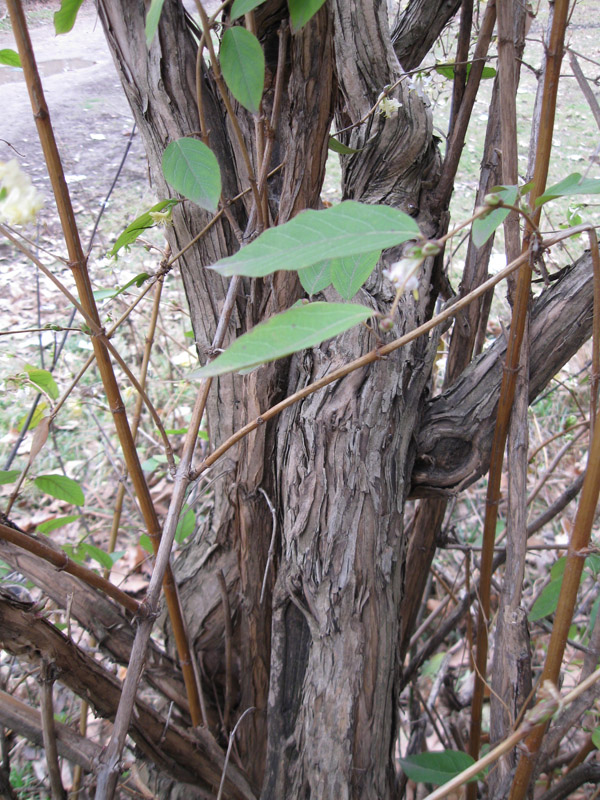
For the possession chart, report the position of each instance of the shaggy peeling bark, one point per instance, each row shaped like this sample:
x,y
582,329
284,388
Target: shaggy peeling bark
x,y
319,658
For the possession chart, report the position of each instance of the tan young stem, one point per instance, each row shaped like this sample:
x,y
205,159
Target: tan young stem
x,y
232,117
48,731
509,376
78,265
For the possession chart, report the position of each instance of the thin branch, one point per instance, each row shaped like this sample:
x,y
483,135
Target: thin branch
x,y
49,733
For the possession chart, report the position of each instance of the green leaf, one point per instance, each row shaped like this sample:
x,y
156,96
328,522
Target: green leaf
x,y
572,184
314,279
8,476
295,329
436,767
65,17
547,601
43,379
342,149
447,70
241,7
302,10
558,568
347,229
152,19
145,543
37,417
186,524
10,58
192,169
106,560
243,66
484,227
103,294
596,738
58,522
139,225
348,274
61,487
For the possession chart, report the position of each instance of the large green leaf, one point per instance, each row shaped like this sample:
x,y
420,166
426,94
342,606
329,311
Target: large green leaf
x,y
61,487
314,279
192,169
348,274
547,602
572,184
243,66
43,380
241,7
8,475
300,327
152,19
139,225
302,10
65,17
436,767
186,524
347,229
10,58
484,227
103,294
57,522
342,149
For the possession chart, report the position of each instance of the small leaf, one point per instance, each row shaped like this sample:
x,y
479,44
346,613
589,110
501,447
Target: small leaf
x,y
152,19
145,543
186,524
61,487
596,738
572,184
43,379
302,10
342,149
8,476
297,328
348,274
243,66
10,58
139,225
436,767
241,7
40,437
192,169
447,70
65,17
547,602
98,555
347,229
484,227
316,278
103,294
58,522
38,415
558,568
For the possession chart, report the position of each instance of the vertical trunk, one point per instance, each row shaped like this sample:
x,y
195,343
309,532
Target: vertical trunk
x,y
344,461
337,467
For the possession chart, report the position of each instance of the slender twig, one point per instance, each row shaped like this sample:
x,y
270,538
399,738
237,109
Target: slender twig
x,y
228,107
229,746
48,731
228,648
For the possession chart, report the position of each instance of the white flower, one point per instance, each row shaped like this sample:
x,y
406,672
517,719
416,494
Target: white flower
x,y
403,273
164,218
19,200
419,84
388,106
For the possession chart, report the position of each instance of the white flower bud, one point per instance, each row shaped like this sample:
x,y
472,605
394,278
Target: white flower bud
x,y
19,200
403,273
388,106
